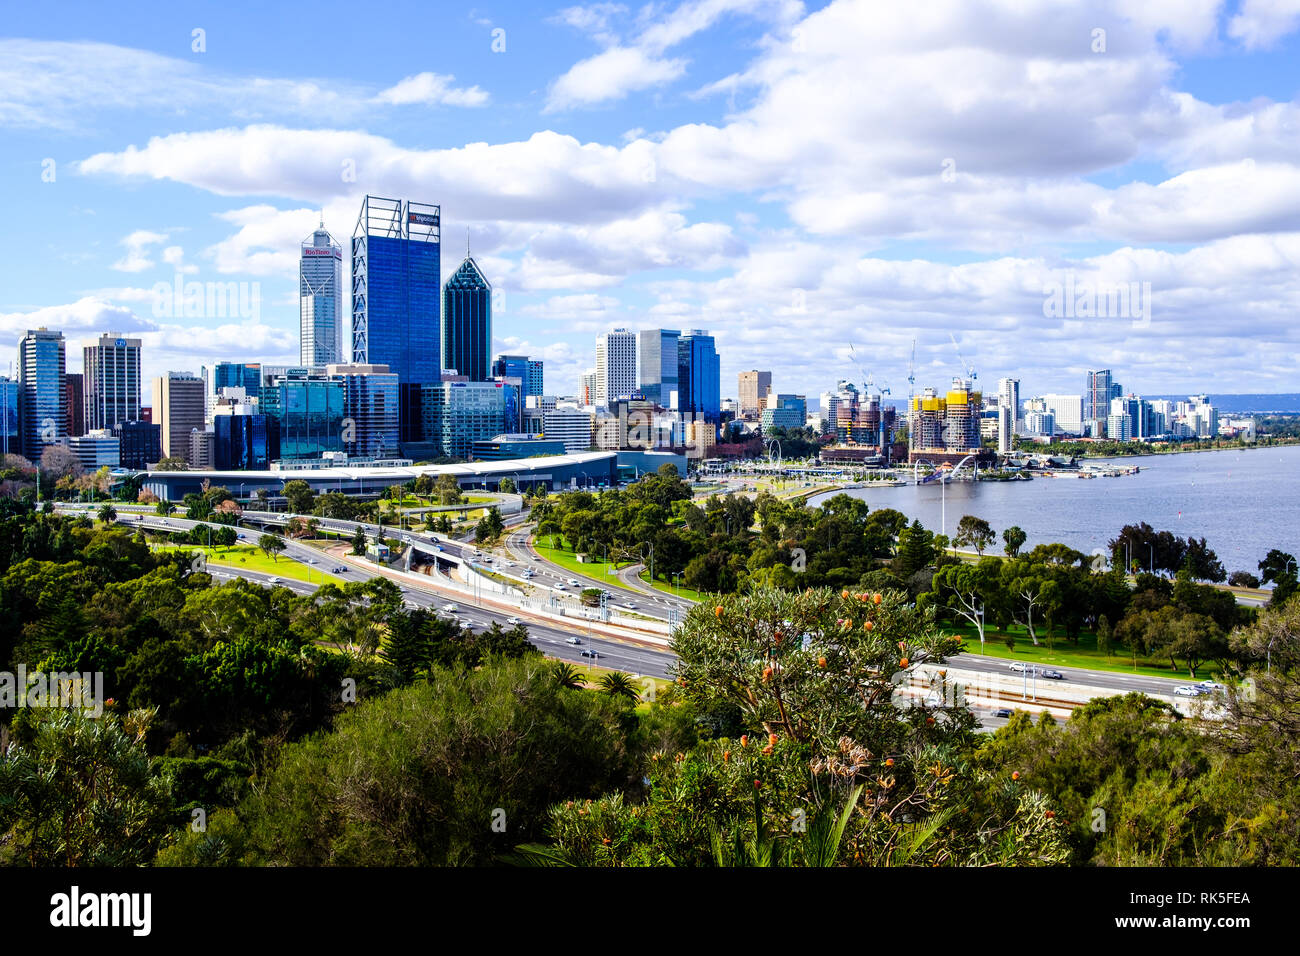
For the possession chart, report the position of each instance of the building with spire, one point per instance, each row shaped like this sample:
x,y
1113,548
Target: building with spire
x,y
320,299
467,321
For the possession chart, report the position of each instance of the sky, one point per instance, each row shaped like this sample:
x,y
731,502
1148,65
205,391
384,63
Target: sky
x,y
820,185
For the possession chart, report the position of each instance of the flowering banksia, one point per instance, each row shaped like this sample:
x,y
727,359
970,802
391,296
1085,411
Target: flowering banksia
x,y
889,761
771,739
821,662
904,662
767,674
726,756
1015,775
844,594
868,626
717,611
875,599
744,740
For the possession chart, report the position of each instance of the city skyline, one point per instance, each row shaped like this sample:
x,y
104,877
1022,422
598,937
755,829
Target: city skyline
x,y
601,196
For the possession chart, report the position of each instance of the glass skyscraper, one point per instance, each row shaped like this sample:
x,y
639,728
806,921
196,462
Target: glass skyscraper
x,y
528,371
10,431
320,299
699,379
42,365
304,417
657,363
396,290
467,322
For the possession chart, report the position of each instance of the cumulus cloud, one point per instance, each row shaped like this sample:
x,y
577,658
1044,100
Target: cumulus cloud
x,y
1261,23
432,89
138,246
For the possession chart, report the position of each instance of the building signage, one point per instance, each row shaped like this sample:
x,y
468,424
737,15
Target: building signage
x,y
422,219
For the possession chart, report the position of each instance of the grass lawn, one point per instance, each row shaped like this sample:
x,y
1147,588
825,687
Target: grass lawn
x,y
681,590
1066,654
251,559
569,561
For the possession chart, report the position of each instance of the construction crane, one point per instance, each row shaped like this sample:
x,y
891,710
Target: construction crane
x,y
868,382
911,377
966,366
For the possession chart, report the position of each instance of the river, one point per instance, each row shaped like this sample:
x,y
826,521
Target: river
x,y
1243,502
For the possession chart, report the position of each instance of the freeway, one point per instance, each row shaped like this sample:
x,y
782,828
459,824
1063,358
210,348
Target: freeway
x,y
554,637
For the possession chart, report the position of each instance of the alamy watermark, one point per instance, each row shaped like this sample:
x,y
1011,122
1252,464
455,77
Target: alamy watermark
x,y
179,299
1075,299
69,690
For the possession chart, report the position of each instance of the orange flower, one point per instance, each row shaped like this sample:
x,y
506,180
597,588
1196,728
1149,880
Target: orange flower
x,y
744,740
904,662
869,626
726,756
767,749
717,611
889,761
1015,775
758,784
771,740
1050,814
605,841
875,599
821,662
767,674
844,593
929,721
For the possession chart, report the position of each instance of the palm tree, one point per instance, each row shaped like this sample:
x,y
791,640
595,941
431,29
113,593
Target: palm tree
x,y
619,684
107,514
566,675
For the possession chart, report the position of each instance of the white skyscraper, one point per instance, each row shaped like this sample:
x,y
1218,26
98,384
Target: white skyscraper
x,y
1067,410
1006,423
616,366
321,300
1009,395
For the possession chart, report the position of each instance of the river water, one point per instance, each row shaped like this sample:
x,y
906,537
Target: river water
x,y
1243,502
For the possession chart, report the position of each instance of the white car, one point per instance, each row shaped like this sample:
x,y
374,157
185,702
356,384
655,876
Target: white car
x,y
1187,691
272,580
630,605
1019,667
573,640
559,585
513,621
573,582
1211,687
451,608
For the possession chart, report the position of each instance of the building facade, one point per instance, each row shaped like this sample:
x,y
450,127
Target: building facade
x,y
370,426
75,395
396,299
42,367
321,296
139,444
111,381
752,387
467,322
180,403
11,433
699,383
657,366
616,366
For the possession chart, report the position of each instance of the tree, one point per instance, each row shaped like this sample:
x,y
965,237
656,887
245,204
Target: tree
x,y
619,685
172,463
506,485
1013,539
60,461
165,508
448,490
1201,562
299,496
1031,589
966,589
973,532
489,527
107,514
915,551
1243,579
567,676
271,545
1279,567
359,540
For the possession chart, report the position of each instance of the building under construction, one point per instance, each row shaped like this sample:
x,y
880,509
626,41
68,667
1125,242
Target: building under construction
x,y
946,428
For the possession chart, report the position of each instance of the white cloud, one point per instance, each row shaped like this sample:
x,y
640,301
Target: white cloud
x,y
611,75
1261,23
137,245
432,89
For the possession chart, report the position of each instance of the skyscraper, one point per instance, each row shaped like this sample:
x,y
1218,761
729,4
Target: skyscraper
x,y
467,322
178,401
657,365
753,386
42,365
396,285
1099,388
616,372
1009,397
111,381
529,371
320,299
11,442
75,399
699,383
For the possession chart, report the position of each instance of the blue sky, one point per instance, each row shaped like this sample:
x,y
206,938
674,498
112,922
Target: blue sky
x,y
795,177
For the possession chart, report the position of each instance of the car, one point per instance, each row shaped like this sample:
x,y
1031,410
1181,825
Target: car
x,y
559,585
573,640
1018,667
1002,712
587,652
451,608
410,605
240,535
272,580
573,582
1051,674
438,547
630,605
1188,691
1211,687
513,621
537,557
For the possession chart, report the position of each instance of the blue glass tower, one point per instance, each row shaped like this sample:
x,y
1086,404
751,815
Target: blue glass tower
x,y
467,322
396,289
699,379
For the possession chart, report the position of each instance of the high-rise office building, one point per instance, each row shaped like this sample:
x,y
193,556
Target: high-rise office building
x,y
587,388
304,415
657,365
1067,412
754,386
11,434
139,444
396,292
42,366
321,295
179,405
616,371
240,438
699,383
474,411
1006,428
371,428
111,381
528,371
467,322
75,398
1099,388
785,411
